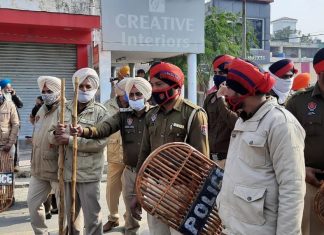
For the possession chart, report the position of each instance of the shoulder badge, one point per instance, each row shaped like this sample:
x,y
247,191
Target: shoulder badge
x,y
203,129
153,117
311,107
129,121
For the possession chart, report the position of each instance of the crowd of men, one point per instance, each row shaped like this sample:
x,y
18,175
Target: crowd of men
x,y
264,128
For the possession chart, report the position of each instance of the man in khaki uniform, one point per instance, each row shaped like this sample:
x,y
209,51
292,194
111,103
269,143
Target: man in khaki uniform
x,y
169,122
9,123
263,186
308,107
131,124
44,160
115,158
90,160
221,119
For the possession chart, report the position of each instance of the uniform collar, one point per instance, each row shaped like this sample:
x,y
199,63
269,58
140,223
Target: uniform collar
x,y
177,106
317,91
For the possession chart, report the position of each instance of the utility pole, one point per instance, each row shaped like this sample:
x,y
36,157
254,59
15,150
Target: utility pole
x,y
244,29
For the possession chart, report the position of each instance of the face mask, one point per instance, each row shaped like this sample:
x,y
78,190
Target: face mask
x,y
282,88
7,96
219,79
236,102
86,96
49,99
164,95
137,105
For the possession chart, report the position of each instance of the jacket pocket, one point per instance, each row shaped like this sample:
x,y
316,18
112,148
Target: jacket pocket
x,y
50,161
253,151
312,125
177,134
85,161
4,134
249,204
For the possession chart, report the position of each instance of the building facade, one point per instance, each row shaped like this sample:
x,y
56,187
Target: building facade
x,y
39,37
258,17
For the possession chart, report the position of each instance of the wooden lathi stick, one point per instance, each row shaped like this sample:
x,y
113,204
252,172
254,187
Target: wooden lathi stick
x,y
75,149
61,162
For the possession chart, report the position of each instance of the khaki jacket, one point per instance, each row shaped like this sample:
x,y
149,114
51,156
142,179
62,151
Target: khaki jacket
x,y
9,123
264,181
114,147
90,160
44,161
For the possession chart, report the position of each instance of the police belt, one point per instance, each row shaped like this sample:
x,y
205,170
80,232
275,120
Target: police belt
x,y
218,156
132,169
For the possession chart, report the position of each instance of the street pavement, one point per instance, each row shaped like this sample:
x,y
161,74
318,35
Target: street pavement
x,y
16,220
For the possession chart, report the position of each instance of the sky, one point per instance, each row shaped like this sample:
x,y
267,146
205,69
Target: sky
x,y
309,13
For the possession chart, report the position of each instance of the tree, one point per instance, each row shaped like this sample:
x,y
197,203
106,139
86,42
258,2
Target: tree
x,y
223,35
284,34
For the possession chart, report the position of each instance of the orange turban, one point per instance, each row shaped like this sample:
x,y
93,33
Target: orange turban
x,y
301,81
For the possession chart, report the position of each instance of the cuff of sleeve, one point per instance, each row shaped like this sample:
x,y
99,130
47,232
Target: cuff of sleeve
x,y
86,132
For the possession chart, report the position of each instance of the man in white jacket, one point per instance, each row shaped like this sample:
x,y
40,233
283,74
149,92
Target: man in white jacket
x,y
264,181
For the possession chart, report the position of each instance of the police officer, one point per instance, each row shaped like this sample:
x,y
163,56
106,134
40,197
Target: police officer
x,y
308,108
130,122
44,161
170,122
221,119
283,71
90,155
115,157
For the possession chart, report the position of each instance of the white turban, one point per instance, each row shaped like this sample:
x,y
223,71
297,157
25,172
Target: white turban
x,y
120,86
141,84
53,83
89,73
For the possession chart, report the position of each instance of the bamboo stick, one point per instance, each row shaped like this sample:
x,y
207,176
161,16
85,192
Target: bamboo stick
x,y
75,149
61,162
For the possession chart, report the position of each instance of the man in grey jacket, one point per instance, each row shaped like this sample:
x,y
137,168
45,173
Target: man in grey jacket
x,y
264,181
90,160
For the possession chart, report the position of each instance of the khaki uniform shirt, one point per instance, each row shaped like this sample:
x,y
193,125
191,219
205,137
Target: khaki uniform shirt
x,y
131,126
114,147
165,127
263,187
221,121
9,123
308,107
44,161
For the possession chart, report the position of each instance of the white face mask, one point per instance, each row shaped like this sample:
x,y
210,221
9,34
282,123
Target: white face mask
x,y
86,96
282,88
49,99
137,105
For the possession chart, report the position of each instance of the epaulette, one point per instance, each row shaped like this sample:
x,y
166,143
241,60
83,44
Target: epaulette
x,y
210,96
100,105
307,90
192,105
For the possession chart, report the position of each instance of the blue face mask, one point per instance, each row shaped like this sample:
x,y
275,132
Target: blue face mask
x,y
219,79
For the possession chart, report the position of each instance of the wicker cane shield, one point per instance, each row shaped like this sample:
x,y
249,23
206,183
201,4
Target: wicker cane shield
x,y
6,181
319,203
179,185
